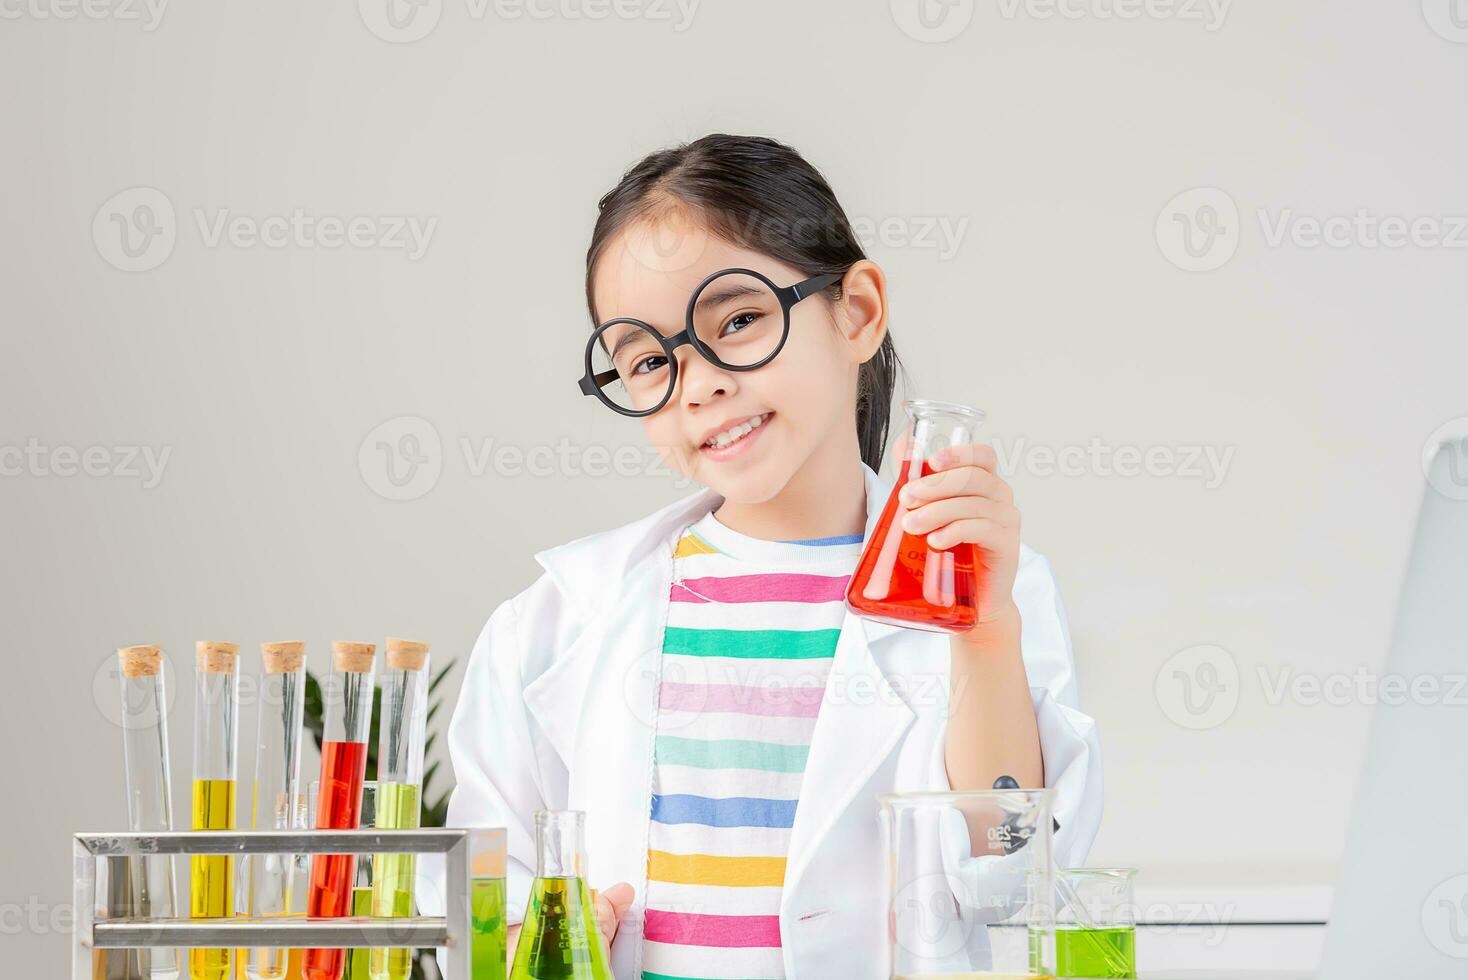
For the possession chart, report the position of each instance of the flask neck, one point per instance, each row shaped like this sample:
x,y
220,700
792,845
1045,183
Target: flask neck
x,y
939,424
560,849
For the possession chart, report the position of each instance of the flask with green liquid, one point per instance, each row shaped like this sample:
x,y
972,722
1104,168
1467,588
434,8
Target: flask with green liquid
x,y
560,939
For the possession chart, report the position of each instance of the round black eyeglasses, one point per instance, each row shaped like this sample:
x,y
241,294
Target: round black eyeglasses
x,y
737,319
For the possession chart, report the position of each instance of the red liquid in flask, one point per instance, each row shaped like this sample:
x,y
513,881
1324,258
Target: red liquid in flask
x,y
339,807
901,580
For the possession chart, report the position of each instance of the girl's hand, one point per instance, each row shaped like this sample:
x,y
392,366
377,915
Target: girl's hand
x,y
965,500
611,905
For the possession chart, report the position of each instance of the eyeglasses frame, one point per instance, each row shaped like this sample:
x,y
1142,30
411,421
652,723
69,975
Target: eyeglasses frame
x,y
591,382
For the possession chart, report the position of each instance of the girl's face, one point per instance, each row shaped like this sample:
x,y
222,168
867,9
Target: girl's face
x,y
779,415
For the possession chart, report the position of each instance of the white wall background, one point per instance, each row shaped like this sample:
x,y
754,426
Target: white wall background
x,y
1049,148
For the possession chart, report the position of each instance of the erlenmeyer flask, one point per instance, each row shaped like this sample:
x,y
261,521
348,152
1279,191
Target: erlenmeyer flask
x,y
560,939
900,578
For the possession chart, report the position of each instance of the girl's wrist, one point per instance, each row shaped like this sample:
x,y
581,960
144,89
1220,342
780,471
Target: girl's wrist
x,y
997,631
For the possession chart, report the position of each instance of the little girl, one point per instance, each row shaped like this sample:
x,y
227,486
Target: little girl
x,y
692,681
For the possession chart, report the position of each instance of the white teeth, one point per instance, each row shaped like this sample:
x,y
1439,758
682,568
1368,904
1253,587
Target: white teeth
x,y
735,433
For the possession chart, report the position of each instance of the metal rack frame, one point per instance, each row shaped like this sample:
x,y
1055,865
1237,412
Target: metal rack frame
x,y
451,930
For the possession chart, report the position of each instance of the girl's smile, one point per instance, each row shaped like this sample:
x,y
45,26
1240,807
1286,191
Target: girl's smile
x,y
732,439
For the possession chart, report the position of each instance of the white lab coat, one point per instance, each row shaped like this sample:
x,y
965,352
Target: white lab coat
x,y
560,694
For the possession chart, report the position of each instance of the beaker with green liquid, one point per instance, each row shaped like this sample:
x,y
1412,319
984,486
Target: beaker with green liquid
x,y
560,939
1095,923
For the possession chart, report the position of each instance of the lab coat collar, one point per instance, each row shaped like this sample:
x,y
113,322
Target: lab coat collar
x,y
590,568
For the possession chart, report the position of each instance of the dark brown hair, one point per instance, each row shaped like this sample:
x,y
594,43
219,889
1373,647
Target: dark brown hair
x,y
759,194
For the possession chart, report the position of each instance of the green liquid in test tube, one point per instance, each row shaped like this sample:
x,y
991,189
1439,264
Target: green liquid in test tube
x,y
400,748
487,908
359,960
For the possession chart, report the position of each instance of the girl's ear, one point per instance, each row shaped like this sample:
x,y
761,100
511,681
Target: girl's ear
x,y
863,309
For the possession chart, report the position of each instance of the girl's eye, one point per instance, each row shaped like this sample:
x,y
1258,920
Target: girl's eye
x,y
649,364
738,323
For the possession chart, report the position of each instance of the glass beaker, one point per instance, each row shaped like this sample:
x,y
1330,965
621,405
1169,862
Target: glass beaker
x,y
560,939
900,579
1095,923
969,884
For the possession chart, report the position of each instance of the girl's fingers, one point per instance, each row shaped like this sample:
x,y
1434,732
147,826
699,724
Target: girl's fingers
x,y
958,481
982,531
611,905
975,454
932,516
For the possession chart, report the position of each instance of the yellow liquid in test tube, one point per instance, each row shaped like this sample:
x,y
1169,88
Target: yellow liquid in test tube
x,y
211,876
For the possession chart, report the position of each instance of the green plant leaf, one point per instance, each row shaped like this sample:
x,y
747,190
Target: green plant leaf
x,y
314,718
439,676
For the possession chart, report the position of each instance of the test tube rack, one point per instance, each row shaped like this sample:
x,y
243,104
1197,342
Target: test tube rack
x,y
451,930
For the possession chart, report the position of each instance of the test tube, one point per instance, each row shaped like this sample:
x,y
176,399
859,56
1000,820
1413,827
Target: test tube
x,y
359,961
487,905
347,704
403,727
149,798
211,876
277,798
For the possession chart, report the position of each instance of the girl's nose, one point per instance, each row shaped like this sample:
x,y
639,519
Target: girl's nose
x,y
703,382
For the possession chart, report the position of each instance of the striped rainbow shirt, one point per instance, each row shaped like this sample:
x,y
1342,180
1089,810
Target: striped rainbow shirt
x,y
751,632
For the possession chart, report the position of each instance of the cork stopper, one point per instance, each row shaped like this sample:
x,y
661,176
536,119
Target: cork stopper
x,y
406,654
488,860
283,658
216,656
355,658
488,865
141,661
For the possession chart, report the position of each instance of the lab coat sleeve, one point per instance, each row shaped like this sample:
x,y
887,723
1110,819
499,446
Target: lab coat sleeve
x,y
504,767
1069,743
